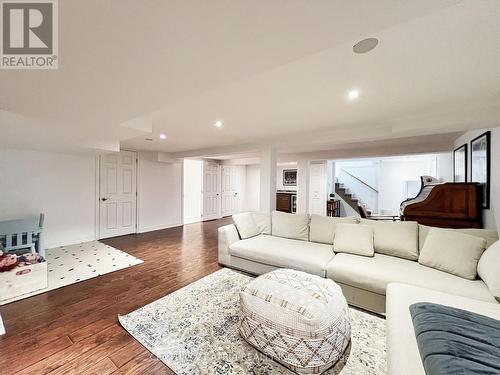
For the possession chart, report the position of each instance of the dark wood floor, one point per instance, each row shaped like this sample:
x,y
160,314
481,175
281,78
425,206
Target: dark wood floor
x,y
74,330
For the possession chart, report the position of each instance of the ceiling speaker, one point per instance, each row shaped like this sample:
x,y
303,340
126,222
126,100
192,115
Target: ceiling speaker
x,y
365,45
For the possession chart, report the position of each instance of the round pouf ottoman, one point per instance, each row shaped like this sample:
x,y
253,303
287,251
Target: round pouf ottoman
x,y
299,320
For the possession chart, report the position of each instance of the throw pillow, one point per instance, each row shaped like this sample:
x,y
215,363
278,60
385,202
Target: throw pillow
x,y
452,252
294,226
353,239
398,239
263,221
322,228
490,235
246,225
488,269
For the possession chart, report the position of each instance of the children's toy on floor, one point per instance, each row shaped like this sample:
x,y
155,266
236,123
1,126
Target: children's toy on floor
x,y
21,274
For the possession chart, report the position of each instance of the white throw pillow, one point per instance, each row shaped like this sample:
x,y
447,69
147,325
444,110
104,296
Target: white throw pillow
x,y
354,239
453,252
490,235
322,228
488,269
294,226
398,239
246,225
263,221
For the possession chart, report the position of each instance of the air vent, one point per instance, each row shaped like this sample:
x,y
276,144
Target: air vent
x,y
149,139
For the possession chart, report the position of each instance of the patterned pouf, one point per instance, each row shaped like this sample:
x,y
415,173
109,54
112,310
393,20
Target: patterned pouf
x,y
299,320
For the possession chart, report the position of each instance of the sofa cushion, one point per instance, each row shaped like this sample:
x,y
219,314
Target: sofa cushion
x,y
373,274
322,228
403,357
491,236
399,239
282,252
452,252
246,225
263,221
353,239
488,269
294,226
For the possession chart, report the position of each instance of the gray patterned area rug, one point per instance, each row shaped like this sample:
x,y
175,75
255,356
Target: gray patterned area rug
x,y
195,331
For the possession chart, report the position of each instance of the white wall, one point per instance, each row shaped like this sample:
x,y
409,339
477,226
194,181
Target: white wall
x,y
444,170
365,170
491,217
252,191
193,185
62,186
160,193
393,174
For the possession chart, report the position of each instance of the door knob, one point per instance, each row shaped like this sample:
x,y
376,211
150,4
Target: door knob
x,y
104,199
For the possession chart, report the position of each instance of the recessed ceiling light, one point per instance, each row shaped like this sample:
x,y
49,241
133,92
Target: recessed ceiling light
x,y
365,45
218,124
163,136
353,94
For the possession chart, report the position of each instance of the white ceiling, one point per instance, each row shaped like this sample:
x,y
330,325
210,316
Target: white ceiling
x,y
274,71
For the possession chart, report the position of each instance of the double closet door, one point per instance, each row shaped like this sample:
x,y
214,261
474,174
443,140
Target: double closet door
x,y
221,190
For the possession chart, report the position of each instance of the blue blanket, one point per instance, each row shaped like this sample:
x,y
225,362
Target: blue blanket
x,y
454,341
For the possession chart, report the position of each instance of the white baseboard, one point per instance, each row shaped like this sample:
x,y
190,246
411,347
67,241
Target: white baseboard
x,y
50,245
158,227
53,244
192,220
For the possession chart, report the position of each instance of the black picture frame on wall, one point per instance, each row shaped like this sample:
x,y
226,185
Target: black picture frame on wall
x,y
289,177
460,164
480,165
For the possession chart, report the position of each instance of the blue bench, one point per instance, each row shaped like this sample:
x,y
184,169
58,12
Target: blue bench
x,y
23,234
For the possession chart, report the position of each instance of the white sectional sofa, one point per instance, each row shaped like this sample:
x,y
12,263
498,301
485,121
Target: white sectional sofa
x,y
388,281
305,243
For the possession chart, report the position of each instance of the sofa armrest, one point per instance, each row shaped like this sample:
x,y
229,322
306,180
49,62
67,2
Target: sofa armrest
x,y
228,234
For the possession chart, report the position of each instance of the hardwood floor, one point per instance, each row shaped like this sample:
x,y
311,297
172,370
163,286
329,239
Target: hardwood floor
x,y
74,330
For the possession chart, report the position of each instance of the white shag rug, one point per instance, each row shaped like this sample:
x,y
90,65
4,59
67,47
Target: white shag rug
x,y
195,331
74,263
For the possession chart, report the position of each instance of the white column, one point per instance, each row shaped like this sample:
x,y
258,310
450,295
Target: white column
x,y
267,180
303,187
2,328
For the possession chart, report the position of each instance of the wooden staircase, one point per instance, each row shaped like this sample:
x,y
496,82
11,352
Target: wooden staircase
x,y
353,201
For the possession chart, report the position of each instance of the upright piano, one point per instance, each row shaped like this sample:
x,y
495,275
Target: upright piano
x,y
446,205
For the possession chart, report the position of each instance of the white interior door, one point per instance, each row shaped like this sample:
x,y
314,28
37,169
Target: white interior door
x,y
317,188
117,194
229,190
211,191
